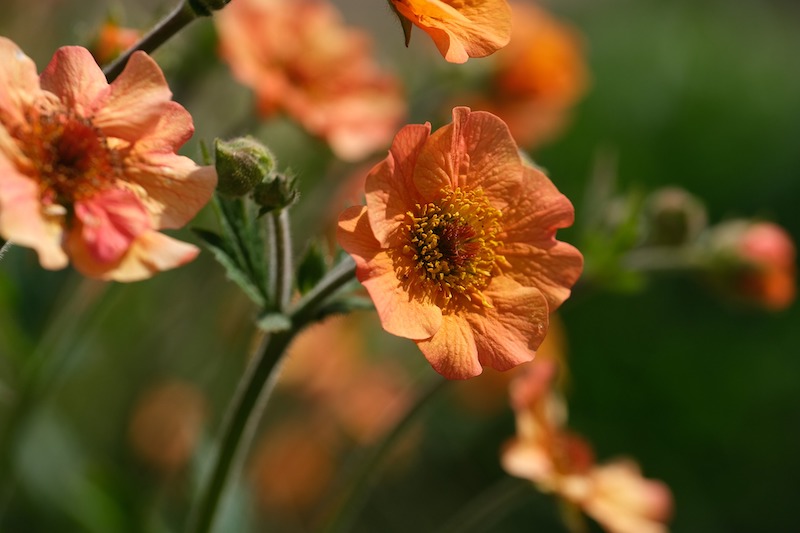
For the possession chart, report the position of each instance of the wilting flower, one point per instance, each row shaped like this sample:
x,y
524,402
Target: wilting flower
x,y
460,29
456,245
299,58
88,170
615,494
538,77
755,261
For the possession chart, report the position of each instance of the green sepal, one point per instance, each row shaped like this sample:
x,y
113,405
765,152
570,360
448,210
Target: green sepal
x,y
311,269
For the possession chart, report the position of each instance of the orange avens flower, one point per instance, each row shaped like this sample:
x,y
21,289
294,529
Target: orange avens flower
x,y
88,170
456,245
538,77
615,494
299,58
460,28
113,39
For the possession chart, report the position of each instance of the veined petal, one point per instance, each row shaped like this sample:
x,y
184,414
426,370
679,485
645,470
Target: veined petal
x,y
137,102
76,79
19,82
552,270
109,222
508,333
401,313
152,252
389,187
452,351
537,211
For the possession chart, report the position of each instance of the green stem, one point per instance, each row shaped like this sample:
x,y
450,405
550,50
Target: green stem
x,y
4,247
662,259
354,496
489,507
283,262
179,18
252,394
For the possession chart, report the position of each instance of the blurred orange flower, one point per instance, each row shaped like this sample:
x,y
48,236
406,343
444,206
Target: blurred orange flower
x,y
757,261
112,40
456,245
538,77
299,58
88,170
545,452
460,28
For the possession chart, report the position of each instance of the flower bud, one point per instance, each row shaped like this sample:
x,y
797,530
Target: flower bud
x,y
276,191
241,165
755,261
673,217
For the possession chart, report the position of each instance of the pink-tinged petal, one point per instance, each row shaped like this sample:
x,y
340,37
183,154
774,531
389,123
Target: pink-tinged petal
x,y
137,101
389,187
537,212
508,333
75,78
169,130
552,270
401,313
529,459
19,83
476,151
452,351
175,187
110,221
23,222
152,252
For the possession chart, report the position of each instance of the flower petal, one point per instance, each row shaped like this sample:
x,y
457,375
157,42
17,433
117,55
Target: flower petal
x,y
452,351
138,101
508,333
537,211
551,270
152,252
19,83
75,78
175,187
22,221
109,222
401,314
389,187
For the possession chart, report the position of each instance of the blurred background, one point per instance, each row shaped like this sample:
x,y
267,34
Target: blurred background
x,y
700,389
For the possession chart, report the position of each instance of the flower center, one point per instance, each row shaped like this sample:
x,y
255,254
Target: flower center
x,y
451,247
70,156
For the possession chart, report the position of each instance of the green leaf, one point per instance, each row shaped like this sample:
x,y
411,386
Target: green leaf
x,y
274,322
311,269
227,257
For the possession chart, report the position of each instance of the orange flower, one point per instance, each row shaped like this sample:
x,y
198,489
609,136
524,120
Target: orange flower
x,y
456,245
538,77
299,58
112,40
545,452
460,28
88,170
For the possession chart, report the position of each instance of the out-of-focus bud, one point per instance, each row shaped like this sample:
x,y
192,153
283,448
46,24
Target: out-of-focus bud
x,y
112,40
755,261
277,191
242,164
166,425
672,217
205,8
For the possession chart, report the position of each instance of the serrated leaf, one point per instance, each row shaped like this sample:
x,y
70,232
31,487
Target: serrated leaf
x,y
274,322
225,255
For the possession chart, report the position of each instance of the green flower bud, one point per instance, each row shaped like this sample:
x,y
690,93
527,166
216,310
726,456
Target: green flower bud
x,y
673,217
277,191
241,165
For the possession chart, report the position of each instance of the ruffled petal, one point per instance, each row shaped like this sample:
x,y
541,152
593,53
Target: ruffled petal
x,y
175,188
109,223
75,78
22,220
508,333
552,270
152,252
19,83
139,101
400,312
452,351
389,187
537,211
